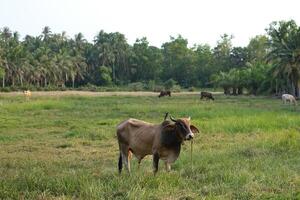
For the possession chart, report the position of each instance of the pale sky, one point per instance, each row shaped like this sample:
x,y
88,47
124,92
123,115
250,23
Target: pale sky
x,y
199,21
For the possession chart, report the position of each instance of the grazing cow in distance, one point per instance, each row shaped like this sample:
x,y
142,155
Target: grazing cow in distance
x,y
164,93
163,140
27,94
288,97
207,95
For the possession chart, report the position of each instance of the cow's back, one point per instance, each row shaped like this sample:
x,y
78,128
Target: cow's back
x,y
288,97
138,135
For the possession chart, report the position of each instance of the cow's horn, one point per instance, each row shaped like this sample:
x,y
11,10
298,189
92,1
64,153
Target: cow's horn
x,y
174,120
189,118
166,115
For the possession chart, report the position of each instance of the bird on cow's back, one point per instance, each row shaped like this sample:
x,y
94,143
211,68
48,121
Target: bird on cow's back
x,y
162,141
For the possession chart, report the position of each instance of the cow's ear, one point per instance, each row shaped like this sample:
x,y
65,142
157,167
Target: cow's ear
x,y
194,129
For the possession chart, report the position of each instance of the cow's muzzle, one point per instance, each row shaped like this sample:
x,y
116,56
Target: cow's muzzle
x,y
189,136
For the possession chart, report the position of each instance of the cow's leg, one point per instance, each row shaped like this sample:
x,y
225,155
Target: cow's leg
x,y
120,164
139,162
125,156
126,161
129,156
168,166
295,102
155,162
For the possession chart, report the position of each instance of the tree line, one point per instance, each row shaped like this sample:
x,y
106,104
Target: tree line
x,y
268,64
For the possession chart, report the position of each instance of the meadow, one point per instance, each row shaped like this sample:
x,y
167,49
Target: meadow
x,y
64,147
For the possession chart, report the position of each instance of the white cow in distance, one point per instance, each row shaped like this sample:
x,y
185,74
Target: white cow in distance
x,y
288,97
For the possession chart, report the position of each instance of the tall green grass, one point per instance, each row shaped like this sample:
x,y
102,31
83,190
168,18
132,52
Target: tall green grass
x,y
65,148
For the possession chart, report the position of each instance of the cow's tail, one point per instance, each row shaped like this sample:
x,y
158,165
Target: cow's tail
x,y
120,164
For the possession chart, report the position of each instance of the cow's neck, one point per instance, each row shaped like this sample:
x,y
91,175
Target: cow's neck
x,y
171,140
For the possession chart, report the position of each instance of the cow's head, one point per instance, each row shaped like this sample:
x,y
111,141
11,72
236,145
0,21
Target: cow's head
x,y
184,128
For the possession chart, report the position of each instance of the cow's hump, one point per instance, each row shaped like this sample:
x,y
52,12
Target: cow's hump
x,y
137,122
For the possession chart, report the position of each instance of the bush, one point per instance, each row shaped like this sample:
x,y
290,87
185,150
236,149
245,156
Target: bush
x,y
150,85
39,89
105,75
176,88
191,89
137,86
169,84
158,88
5,89
90,87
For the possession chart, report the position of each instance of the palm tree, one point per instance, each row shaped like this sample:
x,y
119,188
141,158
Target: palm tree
x,y
223,80
6,35
285,52
46,33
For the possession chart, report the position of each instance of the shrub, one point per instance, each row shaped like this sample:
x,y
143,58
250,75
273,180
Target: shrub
x,y
5,89
176,88
105,75
137,86
169,84
150,85
191,89
90,87
158,88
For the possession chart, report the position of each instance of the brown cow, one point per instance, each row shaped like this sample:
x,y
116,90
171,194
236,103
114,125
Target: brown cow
x,y
163,141
164,93
207,95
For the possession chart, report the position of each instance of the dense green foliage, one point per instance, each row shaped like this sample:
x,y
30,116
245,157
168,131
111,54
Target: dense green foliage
x,y
269,63
64,147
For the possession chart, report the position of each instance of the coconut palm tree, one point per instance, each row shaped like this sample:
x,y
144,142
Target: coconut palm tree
x,y
285,52
222,79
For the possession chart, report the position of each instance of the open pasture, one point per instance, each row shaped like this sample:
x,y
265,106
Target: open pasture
x,y
64,147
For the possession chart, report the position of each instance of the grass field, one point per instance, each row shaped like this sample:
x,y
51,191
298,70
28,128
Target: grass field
x,y
64,147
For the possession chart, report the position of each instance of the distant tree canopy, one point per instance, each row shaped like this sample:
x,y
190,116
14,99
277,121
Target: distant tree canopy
x,y
269,63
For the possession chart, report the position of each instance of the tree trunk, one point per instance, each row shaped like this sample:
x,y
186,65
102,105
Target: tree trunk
x,y
298,88
240,90
254,90
234,91
294,89
3,80
45,81
276,87
226,90
6,65
73,81
114,73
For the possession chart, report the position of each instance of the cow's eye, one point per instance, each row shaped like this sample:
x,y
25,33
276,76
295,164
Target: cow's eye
x,y
183,128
